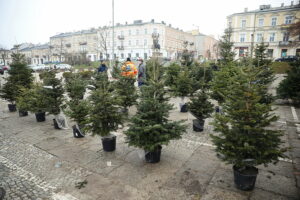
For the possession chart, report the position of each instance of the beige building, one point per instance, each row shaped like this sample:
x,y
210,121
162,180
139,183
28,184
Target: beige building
x,y
266,24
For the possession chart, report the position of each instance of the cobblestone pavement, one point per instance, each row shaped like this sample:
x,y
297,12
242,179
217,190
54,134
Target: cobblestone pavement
x,y
39,162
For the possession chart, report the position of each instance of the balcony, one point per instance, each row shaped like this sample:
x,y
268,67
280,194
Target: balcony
x,y
121,47
155,35
284,43
82,43
121,37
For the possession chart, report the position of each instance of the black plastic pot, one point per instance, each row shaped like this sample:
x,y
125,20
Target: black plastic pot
x,y
109,143
55,124
12,107
198,125
23,113
40,116
77,132
183,108
245,179
153,156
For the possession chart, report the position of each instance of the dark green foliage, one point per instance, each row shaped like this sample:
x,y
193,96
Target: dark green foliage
x,y
244,137
183,84
186,58
226,46
104,115
289,88
33,99
86,75
150,126
54,94
75,86
68,76
116,72
126,91
222,81
261,58
154,70
19,77
200,76
172,73
199,105
78,111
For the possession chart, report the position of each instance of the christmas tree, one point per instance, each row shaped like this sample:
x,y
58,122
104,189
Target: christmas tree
x,y
199,105
150,127
244,138
226,46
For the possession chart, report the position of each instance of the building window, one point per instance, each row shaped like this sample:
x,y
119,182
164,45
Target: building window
x,y
274,21
129,43
155,30
283,52
259,37
270,53
122,33
260,22
137,42
272,37
137,32
145,42
137,55
298,52
129,55
288,19
286,36
241,52
229,24
145,56
146,31
122,55
243,24
129,32
242,37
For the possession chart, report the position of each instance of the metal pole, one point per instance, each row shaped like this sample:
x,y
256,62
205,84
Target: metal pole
x,y
113,31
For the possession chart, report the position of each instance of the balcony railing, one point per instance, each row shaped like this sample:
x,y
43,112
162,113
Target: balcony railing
x,y
285,43
82,43
121,37
121,47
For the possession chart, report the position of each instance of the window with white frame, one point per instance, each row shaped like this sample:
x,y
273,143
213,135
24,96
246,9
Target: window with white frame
x,y
146,31
242,37
137,32
259,37
286,36
260,22
288,19
137,42
145,42
243,23
272,37
274,21
129,32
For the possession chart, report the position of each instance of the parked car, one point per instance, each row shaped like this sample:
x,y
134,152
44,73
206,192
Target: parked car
x,y
63,66
4,68
38,67
287,59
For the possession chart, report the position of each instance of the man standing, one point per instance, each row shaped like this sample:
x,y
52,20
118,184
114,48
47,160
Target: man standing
x,y
102,67
141,73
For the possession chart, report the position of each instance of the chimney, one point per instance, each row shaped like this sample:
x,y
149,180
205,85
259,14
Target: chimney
x,y
170,25
152,20
292,3
126,23
246,10
282,4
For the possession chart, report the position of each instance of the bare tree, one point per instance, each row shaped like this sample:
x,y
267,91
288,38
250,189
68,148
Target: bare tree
x,y
4,54
102,40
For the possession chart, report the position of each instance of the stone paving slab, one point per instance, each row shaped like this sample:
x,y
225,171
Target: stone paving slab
x,y
189,168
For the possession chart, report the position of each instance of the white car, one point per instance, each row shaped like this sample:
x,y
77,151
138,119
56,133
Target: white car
x,y
63,66
38,67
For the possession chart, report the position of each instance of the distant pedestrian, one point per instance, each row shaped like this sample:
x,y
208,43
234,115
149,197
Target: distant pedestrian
x,y
141,72
128,69
102,67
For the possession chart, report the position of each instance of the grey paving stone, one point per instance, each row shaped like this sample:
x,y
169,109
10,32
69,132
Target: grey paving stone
x,y
215,193
259,194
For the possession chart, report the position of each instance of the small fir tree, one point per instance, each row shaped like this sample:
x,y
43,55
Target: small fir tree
x,y
200,106
150,127
75,87
244,138
19,77
289,88
172,73
226,46
54,93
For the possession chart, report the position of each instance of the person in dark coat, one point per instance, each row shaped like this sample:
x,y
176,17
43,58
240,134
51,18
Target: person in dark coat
x,y
141,72
102,67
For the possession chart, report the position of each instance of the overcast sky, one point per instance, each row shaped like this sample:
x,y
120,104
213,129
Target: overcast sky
x,y
35,21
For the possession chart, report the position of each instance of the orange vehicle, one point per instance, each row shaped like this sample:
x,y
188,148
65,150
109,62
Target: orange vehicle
x,y
128,69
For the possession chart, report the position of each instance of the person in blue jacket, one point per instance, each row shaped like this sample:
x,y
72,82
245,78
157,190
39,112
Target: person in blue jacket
x,y
102,67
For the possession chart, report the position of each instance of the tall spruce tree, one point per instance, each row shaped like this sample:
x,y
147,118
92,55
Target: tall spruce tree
x,y
226,47
150,127
244,138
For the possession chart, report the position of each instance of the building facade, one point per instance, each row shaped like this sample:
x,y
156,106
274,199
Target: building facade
x,y
268,25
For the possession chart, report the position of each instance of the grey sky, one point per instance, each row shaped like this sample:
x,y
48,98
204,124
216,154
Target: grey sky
x,y
36,20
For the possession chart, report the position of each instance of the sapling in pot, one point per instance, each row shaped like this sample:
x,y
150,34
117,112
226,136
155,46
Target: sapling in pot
x,y
244,137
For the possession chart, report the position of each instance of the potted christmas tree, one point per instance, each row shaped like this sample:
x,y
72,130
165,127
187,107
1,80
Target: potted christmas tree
x,y
201,108
19,77
183,88
77,108
150,128
244,138
54,93
104,115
